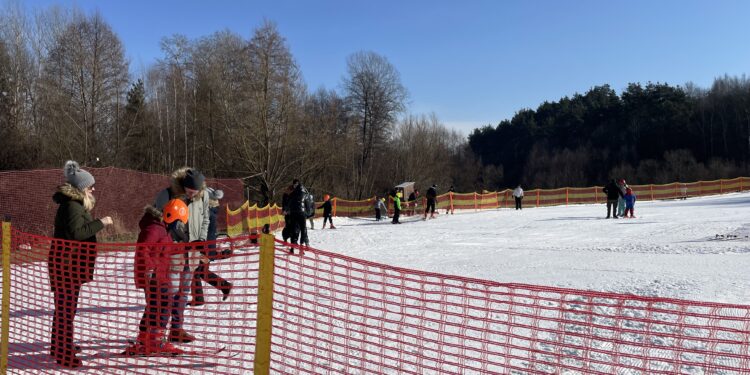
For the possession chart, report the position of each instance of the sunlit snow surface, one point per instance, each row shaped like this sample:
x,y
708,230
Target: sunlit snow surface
x,y
670,249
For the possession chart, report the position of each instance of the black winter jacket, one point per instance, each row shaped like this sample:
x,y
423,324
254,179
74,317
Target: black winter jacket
x,y
327,208
613,191
297,200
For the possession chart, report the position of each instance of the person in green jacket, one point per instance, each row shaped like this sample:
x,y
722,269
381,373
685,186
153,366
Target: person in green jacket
x,y
396,207
71,264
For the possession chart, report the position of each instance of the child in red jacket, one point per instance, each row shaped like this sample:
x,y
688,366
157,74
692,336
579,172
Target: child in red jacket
x,y
152,274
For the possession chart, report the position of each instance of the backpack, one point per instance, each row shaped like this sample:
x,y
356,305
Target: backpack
x,y
309,203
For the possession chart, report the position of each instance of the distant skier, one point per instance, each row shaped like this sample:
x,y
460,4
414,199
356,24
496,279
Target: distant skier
x,y
380,209
613,193
622,185
629,202
396,206
449,207
327,207
431,200
518,196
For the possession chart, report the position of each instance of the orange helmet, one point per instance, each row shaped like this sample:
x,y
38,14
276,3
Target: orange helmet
x,y
326,197
174,210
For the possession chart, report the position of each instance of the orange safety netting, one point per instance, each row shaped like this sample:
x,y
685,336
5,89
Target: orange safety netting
x,y
111,306
491,200
340,315
26,196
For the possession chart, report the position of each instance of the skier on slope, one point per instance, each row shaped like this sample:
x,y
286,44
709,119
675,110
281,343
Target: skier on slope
x,y
622,185
158,274
629,203
380,209
327,207
431,200
396,206
518,197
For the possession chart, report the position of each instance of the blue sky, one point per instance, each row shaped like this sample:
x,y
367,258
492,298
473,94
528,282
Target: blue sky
x,y
471,62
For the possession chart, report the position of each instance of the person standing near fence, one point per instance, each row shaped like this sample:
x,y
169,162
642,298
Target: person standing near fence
x,y
622,185
380,209
299,207
629,203
518,197
187,184
153,272
203,273
613,194
448,208
286,232
396,206
327,207
431,199
70,265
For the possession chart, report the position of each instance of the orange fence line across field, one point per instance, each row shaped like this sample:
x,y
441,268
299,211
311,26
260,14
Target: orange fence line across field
x,y
323,312
251,219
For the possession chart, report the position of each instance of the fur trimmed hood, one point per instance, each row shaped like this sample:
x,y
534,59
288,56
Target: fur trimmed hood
x,y
176,183
153,211
68,192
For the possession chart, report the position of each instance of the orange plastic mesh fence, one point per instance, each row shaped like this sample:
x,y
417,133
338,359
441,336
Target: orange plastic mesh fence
x,y
120,193
335,314
111,306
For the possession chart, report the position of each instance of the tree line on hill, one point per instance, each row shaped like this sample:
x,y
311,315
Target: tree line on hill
x,y
233,106
653,133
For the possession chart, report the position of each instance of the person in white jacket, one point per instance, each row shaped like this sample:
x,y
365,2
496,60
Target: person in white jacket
x,y
187,184
518,195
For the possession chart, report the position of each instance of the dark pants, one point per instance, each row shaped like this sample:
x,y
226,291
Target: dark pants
x,y
377,214
299,225
327,218
158,307
396,214
286,232
203,273
518,203
66,307
430,207
612,207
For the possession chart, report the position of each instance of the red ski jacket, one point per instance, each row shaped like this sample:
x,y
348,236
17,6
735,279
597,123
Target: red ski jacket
x,y
152,259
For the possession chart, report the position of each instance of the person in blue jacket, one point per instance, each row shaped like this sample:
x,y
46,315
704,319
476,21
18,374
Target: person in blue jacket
x,y
629,202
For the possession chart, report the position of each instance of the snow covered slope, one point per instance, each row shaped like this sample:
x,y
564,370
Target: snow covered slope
x,y
670,250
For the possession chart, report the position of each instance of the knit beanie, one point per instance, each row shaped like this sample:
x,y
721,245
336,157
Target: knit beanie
x,y
76,176
193,180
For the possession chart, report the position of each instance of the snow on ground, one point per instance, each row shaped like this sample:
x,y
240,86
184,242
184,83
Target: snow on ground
x,y
670,250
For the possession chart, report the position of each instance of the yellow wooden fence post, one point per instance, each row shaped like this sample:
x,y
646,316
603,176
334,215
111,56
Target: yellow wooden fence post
x,y
264,322
5,326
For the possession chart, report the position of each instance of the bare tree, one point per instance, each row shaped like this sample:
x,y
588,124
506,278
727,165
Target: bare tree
x,y
375,96
84,79
268,139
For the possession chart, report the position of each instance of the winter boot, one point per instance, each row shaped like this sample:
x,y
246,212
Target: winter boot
x,y
179,335
66,358
332,227
144,344
226,288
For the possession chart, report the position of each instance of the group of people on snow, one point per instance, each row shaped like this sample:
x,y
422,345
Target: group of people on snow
x,y
620,199
184,212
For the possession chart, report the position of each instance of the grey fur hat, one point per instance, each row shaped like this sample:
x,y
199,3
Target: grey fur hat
x,y
76,176
215,194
